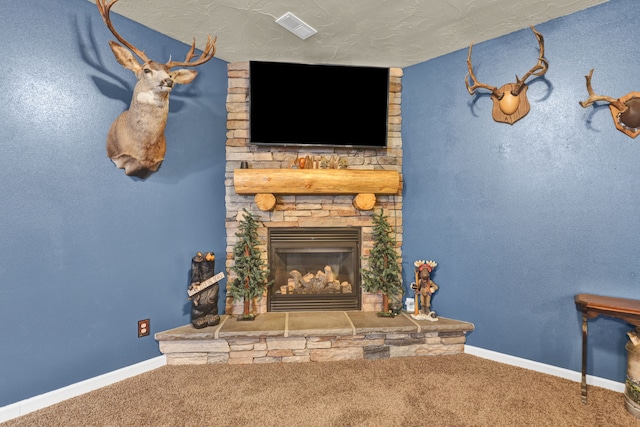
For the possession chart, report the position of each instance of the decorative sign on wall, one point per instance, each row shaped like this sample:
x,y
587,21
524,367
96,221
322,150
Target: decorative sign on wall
x,y
625,111
510,102
136,141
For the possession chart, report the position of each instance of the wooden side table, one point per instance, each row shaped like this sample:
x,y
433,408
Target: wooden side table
x,y
594,305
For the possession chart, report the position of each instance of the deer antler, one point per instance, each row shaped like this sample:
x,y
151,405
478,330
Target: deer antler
x,y
594,98
105,8
208,53
476,84
537,70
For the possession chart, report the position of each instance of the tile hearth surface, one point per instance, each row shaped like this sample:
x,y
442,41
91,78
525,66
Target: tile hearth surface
x,y
305,323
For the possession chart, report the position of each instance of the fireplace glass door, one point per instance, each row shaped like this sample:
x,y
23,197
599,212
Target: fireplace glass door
x,y
314,269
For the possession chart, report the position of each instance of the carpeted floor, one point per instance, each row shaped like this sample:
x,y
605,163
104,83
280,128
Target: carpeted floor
x,y
457,390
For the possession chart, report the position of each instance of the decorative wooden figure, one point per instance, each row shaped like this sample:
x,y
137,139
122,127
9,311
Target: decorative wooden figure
x,y
510,102
424,287
203,291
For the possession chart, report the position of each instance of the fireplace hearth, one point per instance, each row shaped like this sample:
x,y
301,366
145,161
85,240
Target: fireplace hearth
x,y
314,269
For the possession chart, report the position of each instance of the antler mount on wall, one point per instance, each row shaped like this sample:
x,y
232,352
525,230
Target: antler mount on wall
x,y
625,111
510,102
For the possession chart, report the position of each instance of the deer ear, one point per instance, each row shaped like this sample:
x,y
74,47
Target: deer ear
x,y
183,76
125,57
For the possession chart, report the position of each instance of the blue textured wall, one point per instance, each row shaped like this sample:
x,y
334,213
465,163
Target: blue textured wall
x,y
520,218
86,251
523,217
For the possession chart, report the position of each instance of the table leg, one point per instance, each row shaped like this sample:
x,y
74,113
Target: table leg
x,y
583,387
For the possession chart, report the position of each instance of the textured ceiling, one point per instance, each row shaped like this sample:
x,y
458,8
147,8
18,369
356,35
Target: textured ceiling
x,y
388,33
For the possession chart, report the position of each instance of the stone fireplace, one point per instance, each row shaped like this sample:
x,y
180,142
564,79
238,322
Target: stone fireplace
x,y
291,214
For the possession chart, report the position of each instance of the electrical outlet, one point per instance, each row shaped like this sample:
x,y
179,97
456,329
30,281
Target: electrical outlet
x,y
143,328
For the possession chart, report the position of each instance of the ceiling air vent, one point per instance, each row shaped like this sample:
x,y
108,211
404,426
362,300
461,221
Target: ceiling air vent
x,y
296,25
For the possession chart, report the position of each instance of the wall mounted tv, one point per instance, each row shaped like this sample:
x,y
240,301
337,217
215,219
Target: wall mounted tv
x,y
318,105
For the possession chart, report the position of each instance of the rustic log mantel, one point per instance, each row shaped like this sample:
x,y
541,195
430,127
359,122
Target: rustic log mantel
x,y
266,183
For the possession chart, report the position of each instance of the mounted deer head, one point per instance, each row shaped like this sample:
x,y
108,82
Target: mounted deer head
x,y
136,141
510,102
625,111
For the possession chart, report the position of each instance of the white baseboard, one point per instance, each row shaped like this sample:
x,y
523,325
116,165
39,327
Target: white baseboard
x,y
544,368
35,403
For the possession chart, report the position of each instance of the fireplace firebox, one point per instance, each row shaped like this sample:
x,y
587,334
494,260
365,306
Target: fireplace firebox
x,y
314,269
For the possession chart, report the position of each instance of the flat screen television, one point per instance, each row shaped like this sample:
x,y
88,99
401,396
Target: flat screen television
x,y
318,105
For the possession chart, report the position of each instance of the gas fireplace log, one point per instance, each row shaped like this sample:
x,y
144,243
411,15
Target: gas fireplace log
x,y
323,282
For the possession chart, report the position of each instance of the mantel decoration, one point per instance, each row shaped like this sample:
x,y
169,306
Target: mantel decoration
x,y
136,141
251,271
424,287
625,111
384,273
510,102
318,162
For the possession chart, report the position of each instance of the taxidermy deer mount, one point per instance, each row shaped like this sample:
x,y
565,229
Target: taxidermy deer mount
x,y
136,141
625,111
510,102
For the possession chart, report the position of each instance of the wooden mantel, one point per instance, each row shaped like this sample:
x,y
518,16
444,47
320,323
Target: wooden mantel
x,y
266,183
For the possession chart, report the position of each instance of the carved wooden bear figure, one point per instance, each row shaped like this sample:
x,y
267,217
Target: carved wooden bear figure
x,y
204,304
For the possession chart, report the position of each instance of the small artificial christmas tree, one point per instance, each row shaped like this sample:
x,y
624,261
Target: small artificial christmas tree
x,y
384,274
250,268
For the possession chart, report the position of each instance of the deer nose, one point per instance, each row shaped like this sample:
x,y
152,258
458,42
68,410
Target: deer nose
x,y
167,82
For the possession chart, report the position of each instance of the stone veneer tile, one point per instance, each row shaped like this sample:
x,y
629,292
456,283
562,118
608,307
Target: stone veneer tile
x,y
194,346
334,354
376,352
435,350
405,341
247,354
454,340
267,360
286,343
397,336
218,358
296,359
280,353
243,340
402,351
241,361
241,347
187,359
318,344
260,346
356,342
